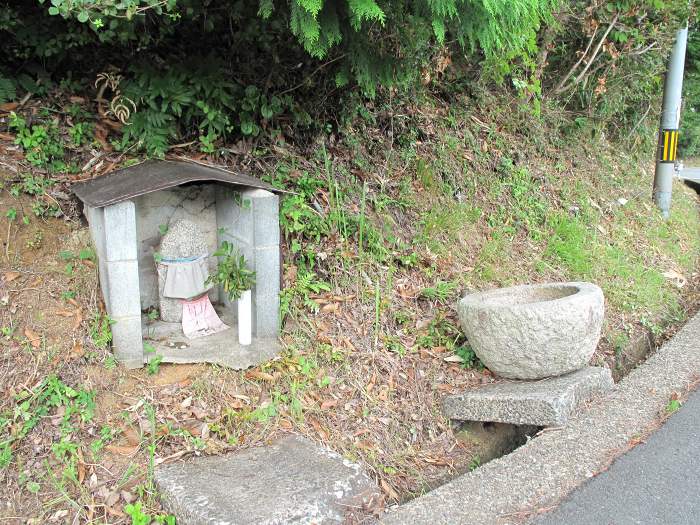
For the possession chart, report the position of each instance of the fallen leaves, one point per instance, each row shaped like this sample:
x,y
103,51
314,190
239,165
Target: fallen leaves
x,y
77,350
132,437
330,303
123,450
388,490
10,276
408,289
81,468
102,136
33,338
237,402
329,403
636,440
330,308
77,315
262,376
365,445
318,428
6,108
678,279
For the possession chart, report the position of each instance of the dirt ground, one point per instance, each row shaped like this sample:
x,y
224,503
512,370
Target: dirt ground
x,y
82,435
375,407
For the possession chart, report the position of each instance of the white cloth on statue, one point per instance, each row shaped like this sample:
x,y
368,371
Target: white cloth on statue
x,y
199,318
186,278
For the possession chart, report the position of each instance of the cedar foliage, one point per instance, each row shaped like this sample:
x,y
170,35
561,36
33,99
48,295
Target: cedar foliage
x,y
379,42
213,71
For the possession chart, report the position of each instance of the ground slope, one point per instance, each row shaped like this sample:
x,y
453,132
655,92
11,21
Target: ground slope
x,y
390,223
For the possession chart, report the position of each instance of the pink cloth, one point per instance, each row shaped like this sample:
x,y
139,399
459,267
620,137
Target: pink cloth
x,y
199,318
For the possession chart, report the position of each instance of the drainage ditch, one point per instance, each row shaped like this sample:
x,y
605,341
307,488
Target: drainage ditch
x,y
491,440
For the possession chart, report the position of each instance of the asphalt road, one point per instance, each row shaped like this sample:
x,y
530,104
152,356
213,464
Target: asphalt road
x,y
692,174
657,482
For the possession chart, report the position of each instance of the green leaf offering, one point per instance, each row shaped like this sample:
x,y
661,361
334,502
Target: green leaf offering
x,y
231,273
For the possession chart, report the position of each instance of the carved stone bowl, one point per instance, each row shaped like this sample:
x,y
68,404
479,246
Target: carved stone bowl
x,y
534,331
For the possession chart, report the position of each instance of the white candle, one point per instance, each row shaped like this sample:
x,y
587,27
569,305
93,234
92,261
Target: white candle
x,y
245,319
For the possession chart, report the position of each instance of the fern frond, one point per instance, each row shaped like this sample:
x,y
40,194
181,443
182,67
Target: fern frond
x,y
8,90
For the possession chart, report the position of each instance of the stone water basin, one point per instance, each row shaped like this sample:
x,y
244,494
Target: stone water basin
x,y
534,331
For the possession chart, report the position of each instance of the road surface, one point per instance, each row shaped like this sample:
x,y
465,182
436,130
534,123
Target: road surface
x,y
657,482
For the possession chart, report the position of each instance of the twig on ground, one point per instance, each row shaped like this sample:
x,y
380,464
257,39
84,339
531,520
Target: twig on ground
x,y
7,241
319,68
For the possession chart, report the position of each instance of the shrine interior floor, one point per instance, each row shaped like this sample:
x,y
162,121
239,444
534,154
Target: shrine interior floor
x,y
221,348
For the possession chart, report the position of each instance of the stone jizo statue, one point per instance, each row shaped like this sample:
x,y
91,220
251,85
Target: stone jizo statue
x,y
183,269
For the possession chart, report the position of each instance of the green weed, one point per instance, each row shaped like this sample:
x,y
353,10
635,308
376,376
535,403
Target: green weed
x,y
393,344
672,406
528,209
442,226
570,245
42,143
31,406
475,463
620,342
140,517
231,272
81,133
305,285
468,356
441,332
153,366
490,263
100,330
36,240
441,291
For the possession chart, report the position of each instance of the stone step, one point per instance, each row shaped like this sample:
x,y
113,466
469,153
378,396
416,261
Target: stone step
x,y
547,402
292,480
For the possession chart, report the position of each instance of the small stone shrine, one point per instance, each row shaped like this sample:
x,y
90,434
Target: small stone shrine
x,y
156,227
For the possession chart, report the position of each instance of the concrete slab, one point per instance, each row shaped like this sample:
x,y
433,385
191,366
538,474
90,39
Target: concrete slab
x,y
544,403
290,481
221,348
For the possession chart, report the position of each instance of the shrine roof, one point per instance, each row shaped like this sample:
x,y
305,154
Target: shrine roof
x,y
155,175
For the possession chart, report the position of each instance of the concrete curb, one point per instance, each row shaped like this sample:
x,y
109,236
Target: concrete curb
x,y
536,476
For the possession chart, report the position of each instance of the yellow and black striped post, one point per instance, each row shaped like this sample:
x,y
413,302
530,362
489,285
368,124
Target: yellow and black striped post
x,y
668,145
